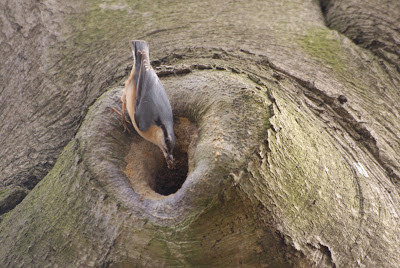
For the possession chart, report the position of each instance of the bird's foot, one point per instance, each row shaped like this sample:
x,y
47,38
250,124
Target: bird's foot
x,y
124,121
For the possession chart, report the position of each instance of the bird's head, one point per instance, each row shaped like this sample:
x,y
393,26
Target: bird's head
x,y
167,143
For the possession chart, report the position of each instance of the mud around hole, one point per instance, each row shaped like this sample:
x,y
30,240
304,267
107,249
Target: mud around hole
x,y
147,170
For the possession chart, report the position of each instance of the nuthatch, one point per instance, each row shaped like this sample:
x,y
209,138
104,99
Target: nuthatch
x,y
147,102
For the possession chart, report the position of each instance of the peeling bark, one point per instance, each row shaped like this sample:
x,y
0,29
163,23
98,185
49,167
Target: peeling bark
x,y
372,25
287,135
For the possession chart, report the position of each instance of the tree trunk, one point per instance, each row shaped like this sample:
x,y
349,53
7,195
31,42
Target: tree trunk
x,y
288,150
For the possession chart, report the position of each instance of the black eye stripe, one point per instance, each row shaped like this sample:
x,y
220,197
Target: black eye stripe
x,y
166,138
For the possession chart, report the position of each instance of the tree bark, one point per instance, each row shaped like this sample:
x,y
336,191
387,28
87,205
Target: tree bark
x,y
288,150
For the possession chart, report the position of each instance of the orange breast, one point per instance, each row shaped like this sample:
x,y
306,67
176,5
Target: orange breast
x,y
151,133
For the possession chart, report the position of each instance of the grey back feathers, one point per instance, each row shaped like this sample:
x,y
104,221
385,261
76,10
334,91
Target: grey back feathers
x,y
152,106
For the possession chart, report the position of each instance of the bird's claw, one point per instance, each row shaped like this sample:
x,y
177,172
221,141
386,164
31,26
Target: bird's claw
x,y
126,129
123,120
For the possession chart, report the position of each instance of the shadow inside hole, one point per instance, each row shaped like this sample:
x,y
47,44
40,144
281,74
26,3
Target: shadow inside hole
x,y
146,167
168,181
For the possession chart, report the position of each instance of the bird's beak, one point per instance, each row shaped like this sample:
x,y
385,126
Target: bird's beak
x,y
170,160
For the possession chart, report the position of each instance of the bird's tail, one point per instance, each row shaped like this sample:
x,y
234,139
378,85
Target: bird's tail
x,y
140,50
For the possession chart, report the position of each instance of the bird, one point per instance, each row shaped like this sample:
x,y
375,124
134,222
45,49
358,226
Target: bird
x,y
147,103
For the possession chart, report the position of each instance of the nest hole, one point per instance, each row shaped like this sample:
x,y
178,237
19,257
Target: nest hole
x,y
168,181
147,169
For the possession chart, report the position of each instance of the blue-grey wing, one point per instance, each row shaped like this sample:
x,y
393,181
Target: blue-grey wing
x,y
152,106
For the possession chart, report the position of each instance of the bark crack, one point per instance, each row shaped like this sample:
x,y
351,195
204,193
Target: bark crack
x,y
324,102
324,256
367,26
